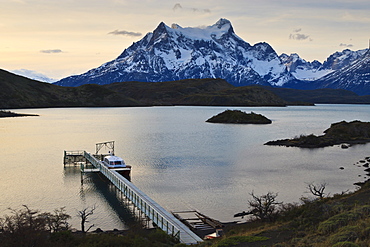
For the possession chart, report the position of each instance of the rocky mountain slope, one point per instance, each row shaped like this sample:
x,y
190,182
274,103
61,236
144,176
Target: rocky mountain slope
x,y
354,77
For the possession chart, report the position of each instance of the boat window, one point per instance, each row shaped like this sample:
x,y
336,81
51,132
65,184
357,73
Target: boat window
x,y
115,163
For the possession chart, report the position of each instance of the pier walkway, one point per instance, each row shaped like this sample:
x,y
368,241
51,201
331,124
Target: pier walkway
x,y
159,216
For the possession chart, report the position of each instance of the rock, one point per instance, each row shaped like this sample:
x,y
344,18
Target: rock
x,y
342,168
344,146
366,165
351,133
239,117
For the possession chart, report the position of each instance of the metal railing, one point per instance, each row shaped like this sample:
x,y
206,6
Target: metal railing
x,y
77,152
159,216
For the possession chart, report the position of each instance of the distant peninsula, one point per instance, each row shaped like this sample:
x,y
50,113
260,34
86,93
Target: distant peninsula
x,y
355,132
4,114
239,117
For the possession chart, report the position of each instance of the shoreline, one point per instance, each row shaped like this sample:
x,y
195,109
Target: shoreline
x,y
6,114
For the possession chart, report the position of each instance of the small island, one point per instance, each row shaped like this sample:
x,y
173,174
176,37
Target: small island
x,y
13,114
239,117
346,133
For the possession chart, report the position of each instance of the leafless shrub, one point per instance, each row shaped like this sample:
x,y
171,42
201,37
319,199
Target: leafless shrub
x,y
264,207
317,189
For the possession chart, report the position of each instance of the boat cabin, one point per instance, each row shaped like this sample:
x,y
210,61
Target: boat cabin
x,y
114,162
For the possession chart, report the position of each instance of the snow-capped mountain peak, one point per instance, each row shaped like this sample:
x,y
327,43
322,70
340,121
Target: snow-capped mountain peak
x,y
354,77
173,53
310,71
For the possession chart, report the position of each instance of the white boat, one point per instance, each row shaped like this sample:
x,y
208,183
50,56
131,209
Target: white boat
x,y
118,164
114,162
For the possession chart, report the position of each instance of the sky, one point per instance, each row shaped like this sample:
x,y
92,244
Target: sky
x,y
59,38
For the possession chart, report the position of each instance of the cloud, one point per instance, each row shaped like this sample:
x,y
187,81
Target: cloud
x,y
123,32
345,45
33,75
178,6
51,51
299,36
201,10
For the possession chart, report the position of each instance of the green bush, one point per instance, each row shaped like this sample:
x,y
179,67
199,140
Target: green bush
x,y
231,241
347,233
345,244
332,224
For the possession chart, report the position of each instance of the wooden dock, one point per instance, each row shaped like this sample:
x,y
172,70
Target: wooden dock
x,y
157,214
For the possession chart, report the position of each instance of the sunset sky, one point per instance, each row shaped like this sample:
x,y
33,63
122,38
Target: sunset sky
x,y
59,38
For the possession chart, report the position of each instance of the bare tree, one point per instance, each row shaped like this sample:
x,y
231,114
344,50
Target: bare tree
x,y
57,221
264,207
317,189
84,214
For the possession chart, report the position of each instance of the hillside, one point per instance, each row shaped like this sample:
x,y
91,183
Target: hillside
x,y
20,92
320,96
339,221
205,92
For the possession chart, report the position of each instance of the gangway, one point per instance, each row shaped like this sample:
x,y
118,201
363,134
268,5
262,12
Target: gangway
x,y
159,216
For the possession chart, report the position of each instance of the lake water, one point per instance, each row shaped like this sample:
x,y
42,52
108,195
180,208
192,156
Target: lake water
x,y
178,159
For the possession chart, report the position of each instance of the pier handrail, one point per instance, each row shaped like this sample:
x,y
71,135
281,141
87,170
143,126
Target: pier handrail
x,y
75,152
163,219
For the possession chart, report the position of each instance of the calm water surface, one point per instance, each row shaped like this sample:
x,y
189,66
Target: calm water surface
x,y
178,159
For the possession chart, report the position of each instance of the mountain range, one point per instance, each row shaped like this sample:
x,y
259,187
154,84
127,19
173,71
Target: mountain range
x,y
176,53
21,92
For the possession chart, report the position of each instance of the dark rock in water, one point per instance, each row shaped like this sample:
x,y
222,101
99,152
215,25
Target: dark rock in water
x,y
344,146
367,170
239,117
354,132
362,161
366,165
359,184
342,168
4,114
